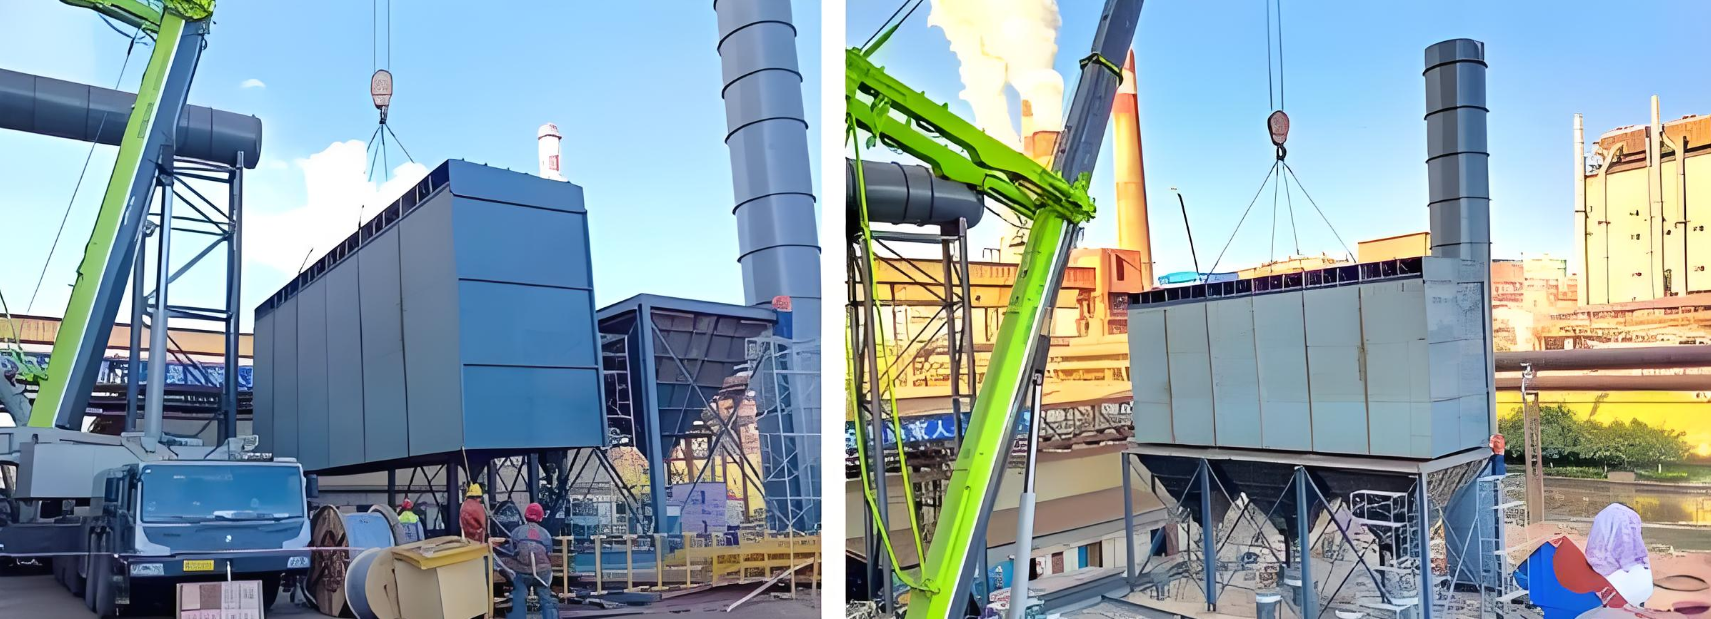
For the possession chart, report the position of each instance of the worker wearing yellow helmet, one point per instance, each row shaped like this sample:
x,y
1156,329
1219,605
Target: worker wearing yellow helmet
x,y
472,517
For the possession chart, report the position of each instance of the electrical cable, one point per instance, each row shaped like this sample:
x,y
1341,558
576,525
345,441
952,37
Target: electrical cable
x,y
1244,218
66,216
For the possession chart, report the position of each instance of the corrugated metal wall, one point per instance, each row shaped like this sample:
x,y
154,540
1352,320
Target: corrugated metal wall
x,y
461,318
1385,367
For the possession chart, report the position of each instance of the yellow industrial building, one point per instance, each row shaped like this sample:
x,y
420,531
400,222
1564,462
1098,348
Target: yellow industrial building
x,y
1640,224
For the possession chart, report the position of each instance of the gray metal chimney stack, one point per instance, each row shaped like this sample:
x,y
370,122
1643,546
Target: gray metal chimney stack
x,y
777,233
1459,196
1457,169
779,240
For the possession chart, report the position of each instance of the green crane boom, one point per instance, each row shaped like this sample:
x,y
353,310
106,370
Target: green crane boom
x,y
902,118
907,120
178,27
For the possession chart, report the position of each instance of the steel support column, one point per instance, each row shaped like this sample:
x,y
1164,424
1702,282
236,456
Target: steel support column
x,y
234,289
1423,511
1208,547
533,462
657,475
1128,526
1304,537
449,508
138,304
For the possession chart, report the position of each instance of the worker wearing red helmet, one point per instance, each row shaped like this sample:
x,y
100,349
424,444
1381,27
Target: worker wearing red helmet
x,y
528,556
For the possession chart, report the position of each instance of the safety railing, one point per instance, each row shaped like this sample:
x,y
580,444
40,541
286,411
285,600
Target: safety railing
x,y
607,564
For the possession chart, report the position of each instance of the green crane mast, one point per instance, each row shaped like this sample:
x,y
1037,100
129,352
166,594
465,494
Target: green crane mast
x,y
178,27
909,121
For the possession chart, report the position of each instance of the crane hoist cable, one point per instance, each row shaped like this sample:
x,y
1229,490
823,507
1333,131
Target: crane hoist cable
x,y
882,355
65,216
886,28
1278,124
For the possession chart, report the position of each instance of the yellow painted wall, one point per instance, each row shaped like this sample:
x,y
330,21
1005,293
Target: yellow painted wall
x,y
1614,255
1687,412
1405,246
1055,479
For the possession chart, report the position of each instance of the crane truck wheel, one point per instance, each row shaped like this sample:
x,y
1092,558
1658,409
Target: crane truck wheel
x,y
92,579
74,575
269,591
100,596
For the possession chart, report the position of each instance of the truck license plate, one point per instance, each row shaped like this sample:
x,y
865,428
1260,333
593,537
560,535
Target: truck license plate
x,y
205,565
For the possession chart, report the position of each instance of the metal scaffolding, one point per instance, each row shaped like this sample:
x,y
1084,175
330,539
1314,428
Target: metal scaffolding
x,y
221,228
785,383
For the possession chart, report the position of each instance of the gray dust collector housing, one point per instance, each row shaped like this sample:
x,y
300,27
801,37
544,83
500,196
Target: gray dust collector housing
x,y
460,317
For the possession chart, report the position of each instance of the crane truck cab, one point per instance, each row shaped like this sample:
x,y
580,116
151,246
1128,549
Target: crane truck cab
x,y
154,524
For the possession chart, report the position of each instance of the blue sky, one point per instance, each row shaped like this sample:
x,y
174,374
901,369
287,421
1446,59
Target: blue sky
x,y
1354,91
634,89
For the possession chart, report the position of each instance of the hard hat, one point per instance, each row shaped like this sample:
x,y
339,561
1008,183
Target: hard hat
x,y
534,513
407,505
474,490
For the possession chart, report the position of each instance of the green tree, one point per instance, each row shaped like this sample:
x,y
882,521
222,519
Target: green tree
x,y
1571,440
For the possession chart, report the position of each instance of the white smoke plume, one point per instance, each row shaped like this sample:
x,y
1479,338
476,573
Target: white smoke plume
x,y
999,43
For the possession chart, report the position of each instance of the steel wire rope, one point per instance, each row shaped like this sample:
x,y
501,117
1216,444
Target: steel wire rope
x,y
1262,185
78,187
855,404
1316,209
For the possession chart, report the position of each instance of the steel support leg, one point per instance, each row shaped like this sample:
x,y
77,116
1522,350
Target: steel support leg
x,y
138,302
1424,512
392,488
1208,546
492,488
234,300
1128,527
534,464
1304,536
452,498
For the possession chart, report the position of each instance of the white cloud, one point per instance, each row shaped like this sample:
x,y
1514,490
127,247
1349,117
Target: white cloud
x,y
253,83
337,190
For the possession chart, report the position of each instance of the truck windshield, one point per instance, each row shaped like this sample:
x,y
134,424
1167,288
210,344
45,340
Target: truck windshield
x,y
202,492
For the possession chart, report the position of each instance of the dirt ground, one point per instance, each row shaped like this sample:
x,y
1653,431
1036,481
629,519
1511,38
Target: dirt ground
x,y
40,596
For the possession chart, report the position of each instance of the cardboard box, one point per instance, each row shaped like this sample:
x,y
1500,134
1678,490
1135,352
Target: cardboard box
x,y
240,599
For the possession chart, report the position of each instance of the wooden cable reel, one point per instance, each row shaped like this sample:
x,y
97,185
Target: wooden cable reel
x,y
341,536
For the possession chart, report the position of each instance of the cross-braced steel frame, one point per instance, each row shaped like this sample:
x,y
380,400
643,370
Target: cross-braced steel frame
x,y
1310,529
948,334
673,385
221,228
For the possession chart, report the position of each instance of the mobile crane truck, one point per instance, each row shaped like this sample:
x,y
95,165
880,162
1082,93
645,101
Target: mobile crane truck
x,y
119,516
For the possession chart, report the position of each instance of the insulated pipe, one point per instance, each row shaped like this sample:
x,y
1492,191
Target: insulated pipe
x,y
1603,383
1580,209
909,194
777,235
1654,202
1607,358
46,106
1681,198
